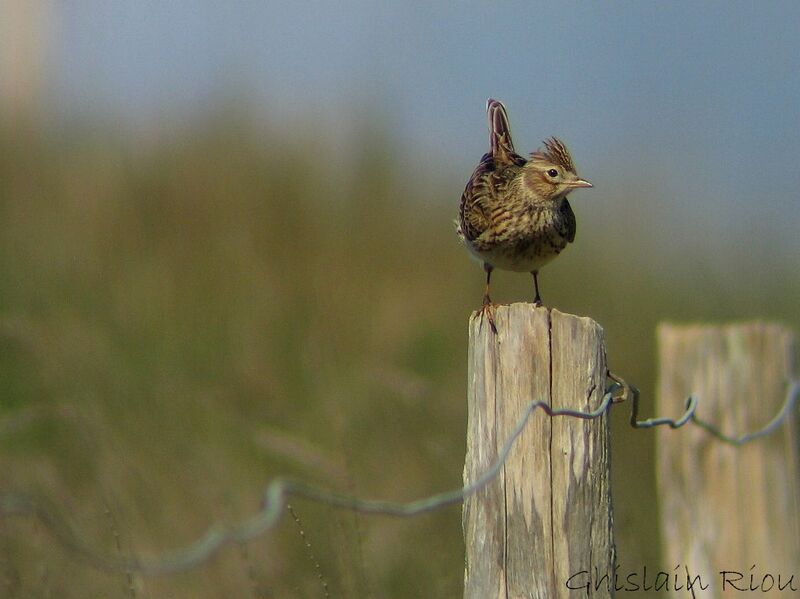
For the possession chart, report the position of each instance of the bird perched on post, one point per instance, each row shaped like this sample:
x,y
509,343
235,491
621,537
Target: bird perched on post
x,y
514,213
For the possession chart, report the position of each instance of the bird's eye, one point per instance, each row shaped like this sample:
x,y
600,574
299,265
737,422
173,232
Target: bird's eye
x,y
553,173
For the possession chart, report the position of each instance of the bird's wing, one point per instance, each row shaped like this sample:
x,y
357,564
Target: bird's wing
x,y
473,213
482,203
570,224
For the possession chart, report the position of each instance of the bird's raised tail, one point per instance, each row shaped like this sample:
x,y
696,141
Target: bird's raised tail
x,y
499,131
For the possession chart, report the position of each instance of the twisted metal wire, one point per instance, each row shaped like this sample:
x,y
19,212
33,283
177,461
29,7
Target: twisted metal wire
x,y
690,414
280,489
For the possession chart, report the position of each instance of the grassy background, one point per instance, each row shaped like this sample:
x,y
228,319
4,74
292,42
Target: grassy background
x,y
185,316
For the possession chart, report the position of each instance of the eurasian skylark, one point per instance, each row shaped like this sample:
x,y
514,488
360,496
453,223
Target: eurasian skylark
x,y
514,213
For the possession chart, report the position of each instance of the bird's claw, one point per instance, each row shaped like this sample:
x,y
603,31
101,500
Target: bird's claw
x,y
487,310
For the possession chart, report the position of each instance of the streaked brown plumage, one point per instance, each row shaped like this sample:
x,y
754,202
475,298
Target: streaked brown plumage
x,y
514,213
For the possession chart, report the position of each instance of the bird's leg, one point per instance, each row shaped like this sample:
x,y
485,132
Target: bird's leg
x,y
537,301
486,308
488,268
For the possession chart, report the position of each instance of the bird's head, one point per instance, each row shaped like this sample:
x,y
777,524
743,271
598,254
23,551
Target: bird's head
x,y
550,173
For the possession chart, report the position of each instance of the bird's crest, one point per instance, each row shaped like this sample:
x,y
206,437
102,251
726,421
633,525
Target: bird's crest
x,y
555,152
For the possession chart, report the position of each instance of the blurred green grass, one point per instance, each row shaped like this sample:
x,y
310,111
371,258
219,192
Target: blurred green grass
x,y
185,317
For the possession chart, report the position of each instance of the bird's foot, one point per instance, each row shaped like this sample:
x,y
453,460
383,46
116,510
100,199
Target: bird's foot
x,y
487,310
537,302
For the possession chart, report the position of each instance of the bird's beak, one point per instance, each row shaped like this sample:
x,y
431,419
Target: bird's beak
x,y
580,183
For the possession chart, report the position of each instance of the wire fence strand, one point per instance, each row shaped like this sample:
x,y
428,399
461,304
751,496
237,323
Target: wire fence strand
x,y
690,414
278,492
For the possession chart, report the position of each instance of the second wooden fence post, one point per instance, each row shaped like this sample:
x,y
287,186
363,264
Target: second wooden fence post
x,y
544,525
729,515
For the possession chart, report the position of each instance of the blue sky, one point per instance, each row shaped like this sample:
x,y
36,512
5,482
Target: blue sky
x,y
695,102
707,74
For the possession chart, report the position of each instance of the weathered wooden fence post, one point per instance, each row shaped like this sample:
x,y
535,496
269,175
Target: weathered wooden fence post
x,y
546,519
726,508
